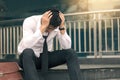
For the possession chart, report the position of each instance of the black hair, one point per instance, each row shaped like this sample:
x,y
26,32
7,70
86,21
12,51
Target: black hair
x,y
55,20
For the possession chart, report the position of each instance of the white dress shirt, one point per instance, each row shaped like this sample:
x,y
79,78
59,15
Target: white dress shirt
x,y
32,37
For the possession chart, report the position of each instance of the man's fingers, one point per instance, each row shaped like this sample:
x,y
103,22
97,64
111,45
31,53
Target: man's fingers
x,y
47,12
50,16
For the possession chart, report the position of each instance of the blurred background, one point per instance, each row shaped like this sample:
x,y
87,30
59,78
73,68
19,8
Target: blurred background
x,y
93,25
12,9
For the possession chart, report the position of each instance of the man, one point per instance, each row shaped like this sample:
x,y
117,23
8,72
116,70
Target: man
x,y
52,24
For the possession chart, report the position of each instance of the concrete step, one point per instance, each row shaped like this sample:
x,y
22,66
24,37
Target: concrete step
x,y
87,74
111,79
91,69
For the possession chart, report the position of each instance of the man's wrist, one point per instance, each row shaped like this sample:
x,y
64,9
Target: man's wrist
x,y
42,29
61,28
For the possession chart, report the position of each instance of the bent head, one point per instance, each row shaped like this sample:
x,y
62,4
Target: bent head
x,y
55,20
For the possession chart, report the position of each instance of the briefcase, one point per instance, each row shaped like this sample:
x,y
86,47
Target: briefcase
x,y
10,71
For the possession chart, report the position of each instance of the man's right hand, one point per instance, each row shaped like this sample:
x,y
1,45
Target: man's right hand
x,y
45,20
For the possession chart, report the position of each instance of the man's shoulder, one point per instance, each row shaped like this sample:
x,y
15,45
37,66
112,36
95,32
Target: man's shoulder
x,y
34,17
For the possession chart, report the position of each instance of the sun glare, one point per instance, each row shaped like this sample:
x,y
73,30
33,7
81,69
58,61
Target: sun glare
x,y
102,4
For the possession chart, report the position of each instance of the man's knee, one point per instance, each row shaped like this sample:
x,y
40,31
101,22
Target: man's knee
x,y
26,55
70,53
27,52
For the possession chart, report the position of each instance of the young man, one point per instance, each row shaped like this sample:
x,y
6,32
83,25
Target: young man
x,y
52,23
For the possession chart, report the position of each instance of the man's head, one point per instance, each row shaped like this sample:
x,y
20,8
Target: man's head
x,y
55,20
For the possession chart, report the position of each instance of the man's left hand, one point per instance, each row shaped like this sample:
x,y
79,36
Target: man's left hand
x,y
62,25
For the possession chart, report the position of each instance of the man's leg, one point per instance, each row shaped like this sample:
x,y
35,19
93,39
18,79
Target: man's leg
x,y
66,56
28,62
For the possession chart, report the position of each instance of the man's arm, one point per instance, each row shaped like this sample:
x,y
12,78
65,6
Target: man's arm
x,y
64,39
30,35
45,20
62,27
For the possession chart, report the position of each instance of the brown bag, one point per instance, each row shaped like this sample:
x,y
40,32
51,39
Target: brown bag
x,y
9,71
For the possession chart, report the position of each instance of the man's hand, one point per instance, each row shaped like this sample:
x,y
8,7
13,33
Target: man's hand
x,y
62,25
45,20
63,19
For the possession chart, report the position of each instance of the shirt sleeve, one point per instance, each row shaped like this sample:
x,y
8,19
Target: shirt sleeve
x,y
64,40
30,35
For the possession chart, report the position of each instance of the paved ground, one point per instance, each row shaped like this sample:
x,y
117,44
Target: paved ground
x,y
89,66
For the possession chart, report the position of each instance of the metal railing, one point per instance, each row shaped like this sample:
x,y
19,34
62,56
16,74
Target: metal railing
x,y
9,39
95,33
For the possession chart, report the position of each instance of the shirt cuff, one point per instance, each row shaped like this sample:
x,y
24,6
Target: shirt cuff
x,y
64,35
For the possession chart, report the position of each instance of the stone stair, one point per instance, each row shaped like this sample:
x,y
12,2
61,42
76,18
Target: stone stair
x,y
91,69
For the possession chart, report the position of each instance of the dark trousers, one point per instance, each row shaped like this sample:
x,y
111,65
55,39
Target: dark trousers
x,y
30,63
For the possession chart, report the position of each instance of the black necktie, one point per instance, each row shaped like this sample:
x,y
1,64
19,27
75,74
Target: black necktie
x,y
44,65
